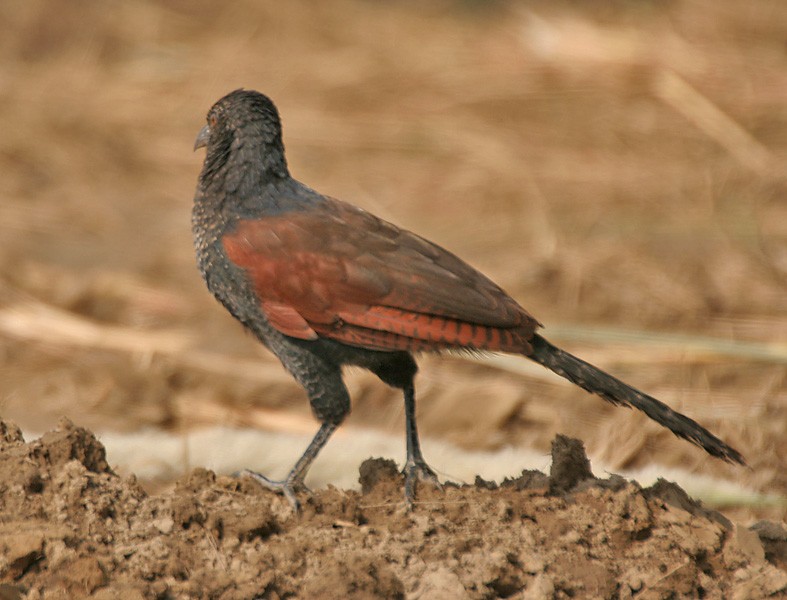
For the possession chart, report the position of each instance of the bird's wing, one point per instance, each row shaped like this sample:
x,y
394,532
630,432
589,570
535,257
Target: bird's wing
x,y
338,271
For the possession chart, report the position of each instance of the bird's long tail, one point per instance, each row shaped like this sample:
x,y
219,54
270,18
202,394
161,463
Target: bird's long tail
x,y
596,381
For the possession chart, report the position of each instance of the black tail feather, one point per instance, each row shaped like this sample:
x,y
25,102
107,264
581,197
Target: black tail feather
x,y
596,381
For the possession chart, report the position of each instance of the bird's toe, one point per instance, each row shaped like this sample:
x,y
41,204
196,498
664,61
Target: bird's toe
x,y
416,471
289,488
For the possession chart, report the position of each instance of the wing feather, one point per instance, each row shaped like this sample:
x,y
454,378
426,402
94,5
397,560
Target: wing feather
x,y
340,272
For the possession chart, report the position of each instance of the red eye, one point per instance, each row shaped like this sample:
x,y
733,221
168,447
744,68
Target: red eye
x,y
212,121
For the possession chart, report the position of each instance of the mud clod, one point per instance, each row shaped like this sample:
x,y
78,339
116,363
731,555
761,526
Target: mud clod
x,y
82,531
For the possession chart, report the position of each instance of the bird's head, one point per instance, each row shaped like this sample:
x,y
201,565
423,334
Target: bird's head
x,y
243,128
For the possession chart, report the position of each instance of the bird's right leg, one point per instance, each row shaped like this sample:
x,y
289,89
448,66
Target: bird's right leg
x,y
415,469
398,369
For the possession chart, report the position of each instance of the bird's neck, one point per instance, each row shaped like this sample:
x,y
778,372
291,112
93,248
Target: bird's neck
x,y
242,172
241,182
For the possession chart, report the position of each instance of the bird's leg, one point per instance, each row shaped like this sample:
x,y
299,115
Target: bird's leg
x,y
294,481
415,468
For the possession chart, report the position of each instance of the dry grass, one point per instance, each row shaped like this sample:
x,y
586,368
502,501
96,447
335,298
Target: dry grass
x,y
616,169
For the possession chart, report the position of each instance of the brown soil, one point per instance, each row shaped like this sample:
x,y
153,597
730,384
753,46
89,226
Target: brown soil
x,y
73,528
617,167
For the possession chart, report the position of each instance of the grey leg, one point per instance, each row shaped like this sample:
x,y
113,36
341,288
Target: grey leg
x,y
294,481
415,469
330,403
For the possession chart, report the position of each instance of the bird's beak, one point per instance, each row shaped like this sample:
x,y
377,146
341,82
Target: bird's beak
x,y
202,138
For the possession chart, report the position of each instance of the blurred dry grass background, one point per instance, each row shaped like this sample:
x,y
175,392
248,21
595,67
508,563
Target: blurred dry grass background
x,y
617,167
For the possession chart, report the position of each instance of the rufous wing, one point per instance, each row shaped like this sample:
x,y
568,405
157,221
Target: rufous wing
x,y
337,271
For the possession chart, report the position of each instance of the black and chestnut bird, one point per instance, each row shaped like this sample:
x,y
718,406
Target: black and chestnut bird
x,y
324,284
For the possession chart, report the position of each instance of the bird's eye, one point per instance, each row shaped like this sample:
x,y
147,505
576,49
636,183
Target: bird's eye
x,y
212,121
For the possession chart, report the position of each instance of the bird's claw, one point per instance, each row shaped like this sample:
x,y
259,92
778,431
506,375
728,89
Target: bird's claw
x,y
288,487
415,471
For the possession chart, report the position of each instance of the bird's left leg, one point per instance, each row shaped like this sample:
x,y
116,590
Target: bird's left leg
x,y
294,482
321,377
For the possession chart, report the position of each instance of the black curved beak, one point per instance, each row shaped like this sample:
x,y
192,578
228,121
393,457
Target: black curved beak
x,y
202,138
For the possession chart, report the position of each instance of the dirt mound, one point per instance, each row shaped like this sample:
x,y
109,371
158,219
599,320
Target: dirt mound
x,y
72,528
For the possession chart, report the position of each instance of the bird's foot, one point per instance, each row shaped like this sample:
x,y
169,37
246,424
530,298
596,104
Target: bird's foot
x,y
414,471
288,487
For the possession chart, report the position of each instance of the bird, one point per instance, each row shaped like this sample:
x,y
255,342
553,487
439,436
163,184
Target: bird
x,y
324,284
